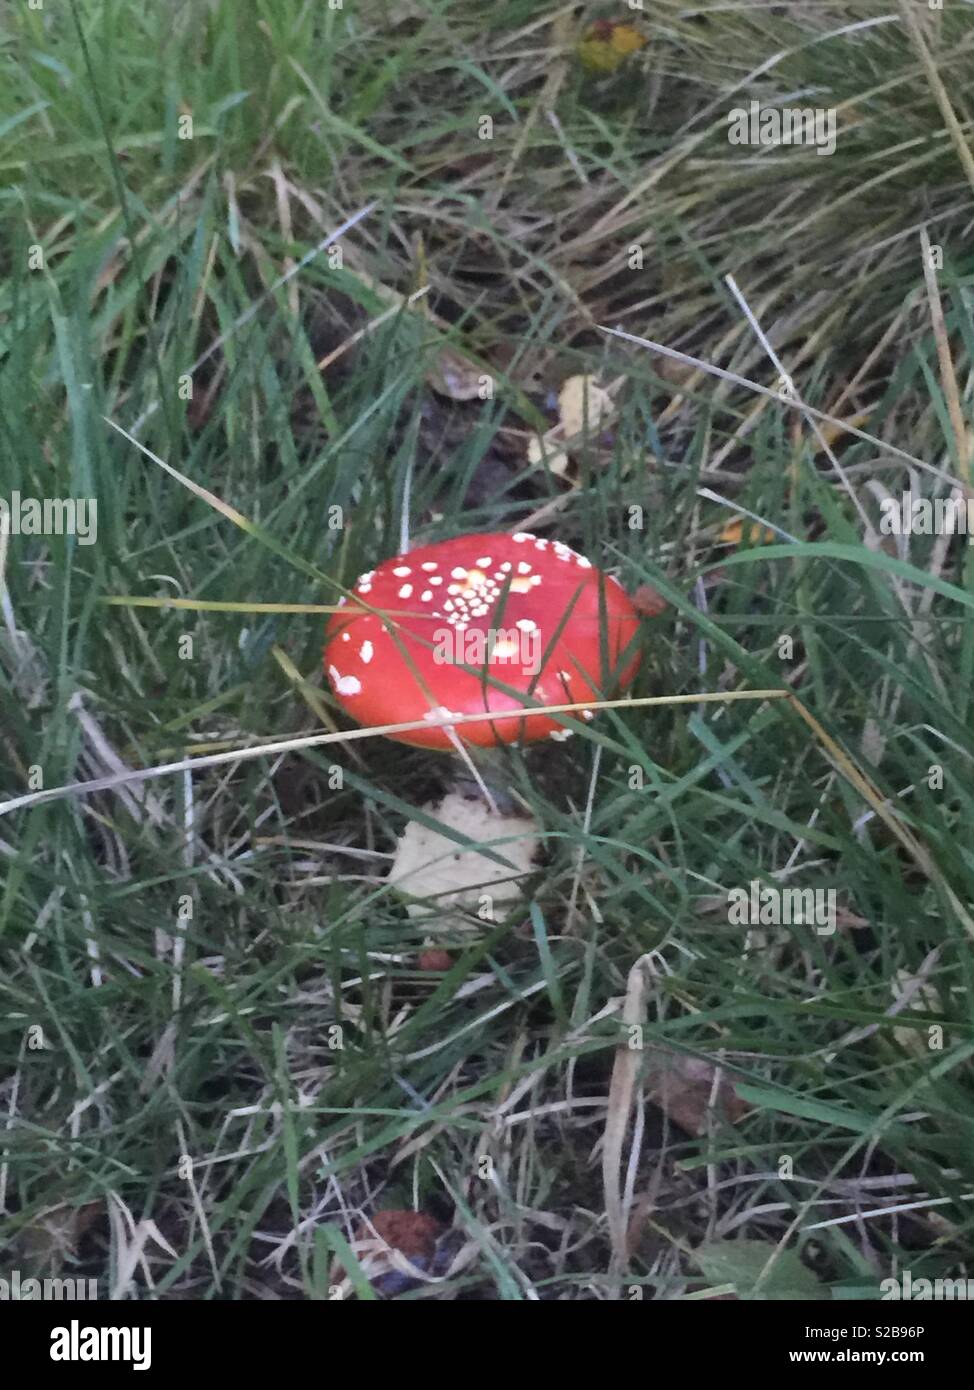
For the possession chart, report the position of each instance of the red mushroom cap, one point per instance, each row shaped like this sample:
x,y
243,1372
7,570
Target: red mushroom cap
x,y
477,601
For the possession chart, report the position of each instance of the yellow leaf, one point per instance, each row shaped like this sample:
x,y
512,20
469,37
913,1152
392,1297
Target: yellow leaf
x,y
830,433
606,45
626,39
733,533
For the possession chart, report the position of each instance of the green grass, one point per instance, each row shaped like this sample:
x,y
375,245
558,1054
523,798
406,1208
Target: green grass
x,y
240,913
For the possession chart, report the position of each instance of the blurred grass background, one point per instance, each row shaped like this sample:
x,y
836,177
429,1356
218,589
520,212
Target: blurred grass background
x,y
233,917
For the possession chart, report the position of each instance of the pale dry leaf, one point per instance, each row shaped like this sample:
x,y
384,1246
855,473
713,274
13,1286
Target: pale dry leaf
x,y
557,459
582,406
444,880
457,377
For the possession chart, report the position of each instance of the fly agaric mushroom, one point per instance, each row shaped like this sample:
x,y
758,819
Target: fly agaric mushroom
x,y
533,614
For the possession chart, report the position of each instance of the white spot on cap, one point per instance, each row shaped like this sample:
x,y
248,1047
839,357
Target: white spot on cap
x,y
587,714
428,565
365,588
366,652
526,624
346,637
504,648
458,572
437,579
484,561
520,536
426,595
401,571
345,685
406,591
587,565
559,735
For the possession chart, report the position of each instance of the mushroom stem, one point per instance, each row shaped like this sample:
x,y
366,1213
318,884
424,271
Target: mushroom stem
x,y
490,776
472,768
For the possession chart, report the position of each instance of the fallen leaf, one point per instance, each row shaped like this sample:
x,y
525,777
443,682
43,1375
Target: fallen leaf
x,y
446,882
683,1088
742,1263
397,1248
434,960
648,602
757,535
606,45
457,376
830,433
675,372
557,459
582,405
